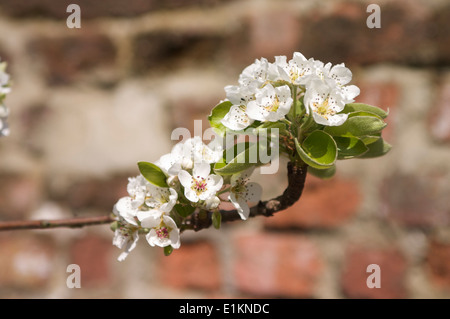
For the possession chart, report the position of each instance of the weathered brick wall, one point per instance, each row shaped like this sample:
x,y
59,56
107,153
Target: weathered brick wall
x,y
89,103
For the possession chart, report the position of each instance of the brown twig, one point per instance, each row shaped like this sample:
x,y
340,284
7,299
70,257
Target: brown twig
x,y
46,224
296,182
197,221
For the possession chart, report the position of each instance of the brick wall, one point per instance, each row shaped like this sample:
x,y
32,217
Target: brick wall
x,y
89,103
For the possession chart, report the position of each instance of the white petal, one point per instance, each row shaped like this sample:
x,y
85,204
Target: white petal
x,y
191,195
174,236
150,220
201,170
185,178
253,192
337,119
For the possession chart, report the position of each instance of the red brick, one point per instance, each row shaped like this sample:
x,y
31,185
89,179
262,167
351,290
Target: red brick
x,y
67,57
440,30
94,9
19,195
438,264
406,35
323,204
195,265
93,255
169,50
439,124
276,265
95,193
392,265
416,200
273,33
27,261
192,110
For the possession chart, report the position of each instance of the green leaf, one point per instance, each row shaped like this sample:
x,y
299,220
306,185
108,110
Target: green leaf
x,y
357,126
184,210
349,147
153,174
168,250
217,114
216,219
318,150
322,173
370,139
357,107
245,156
270,125
376,149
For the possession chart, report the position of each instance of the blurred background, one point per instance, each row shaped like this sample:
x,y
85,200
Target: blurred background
x,y
87,104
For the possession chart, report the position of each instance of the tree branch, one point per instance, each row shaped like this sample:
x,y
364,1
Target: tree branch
x,y
46,224
197,221
296,182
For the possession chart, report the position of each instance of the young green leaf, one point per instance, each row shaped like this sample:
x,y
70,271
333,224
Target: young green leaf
x,y
356,107
322,173
153,174
318,150
217,114
357,126
349,147
376,149
245,156
184,210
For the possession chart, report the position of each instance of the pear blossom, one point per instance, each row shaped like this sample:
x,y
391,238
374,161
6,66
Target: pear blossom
x,y
163,229
4,80
298,70
212,203
184,154
4,112
237,119
160,198
271,103
200,185
126,238
258,73
126,211
242,191
4,90
324,101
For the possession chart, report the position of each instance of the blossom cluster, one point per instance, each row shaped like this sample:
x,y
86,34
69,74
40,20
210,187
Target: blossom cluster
x,y
4,90
156,211
301,108
265,90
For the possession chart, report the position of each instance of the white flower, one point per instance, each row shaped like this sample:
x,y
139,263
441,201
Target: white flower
x,y
338,76
126,238
297,71
126,211
4,80
271,103
258,73
212,203
184,154
242,191
237,119
137,189
163,230
200,185
162,199
325,101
